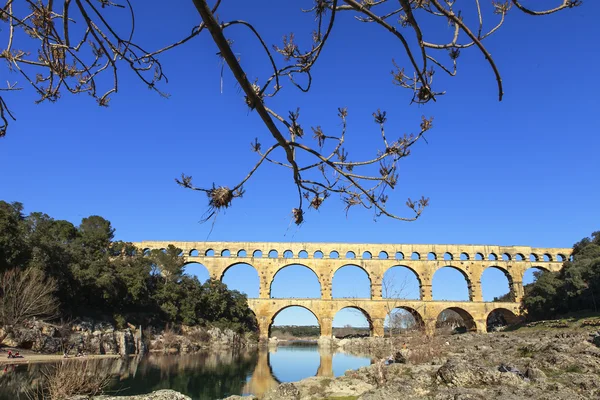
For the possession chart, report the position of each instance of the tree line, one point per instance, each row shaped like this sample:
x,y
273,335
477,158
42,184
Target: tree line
x,y
89,274
576,287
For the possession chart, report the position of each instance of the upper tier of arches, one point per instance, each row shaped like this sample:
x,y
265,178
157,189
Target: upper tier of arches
x,y
366,251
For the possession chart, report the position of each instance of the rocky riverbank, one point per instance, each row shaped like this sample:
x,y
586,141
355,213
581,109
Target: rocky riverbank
x,y
557,364
100,338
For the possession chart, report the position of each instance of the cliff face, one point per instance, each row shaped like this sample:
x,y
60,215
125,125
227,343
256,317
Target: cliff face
x,y
101,338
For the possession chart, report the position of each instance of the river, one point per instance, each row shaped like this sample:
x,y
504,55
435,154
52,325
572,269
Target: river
x,y
202,376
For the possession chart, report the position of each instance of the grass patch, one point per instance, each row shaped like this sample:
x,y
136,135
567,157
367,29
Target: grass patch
x,y
575,320
574,368
325,382
525,352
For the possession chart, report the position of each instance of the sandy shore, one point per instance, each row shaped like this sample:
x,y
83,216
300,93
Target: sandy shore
x,y
29,358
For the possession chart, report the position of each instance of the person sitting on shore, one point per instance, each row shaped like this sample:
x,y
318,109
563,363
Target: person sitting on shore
x,y
10,354
17,355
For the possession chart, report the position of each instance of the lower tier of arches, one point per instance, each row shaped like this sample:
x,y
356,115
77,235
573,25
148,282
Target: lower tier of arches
x,y
428,315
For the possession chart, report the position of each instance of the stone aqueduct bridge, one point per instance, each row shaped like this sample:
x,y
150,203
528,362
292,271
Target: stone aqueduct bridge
x,y
324,259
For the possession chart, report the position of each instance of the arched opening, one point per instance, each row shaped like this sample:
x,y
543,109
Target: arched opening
x,y
519,257
399,255
533,257
531,275
225,253
402,320
478,257
273,254
351,281
448,257
493,257
209,253
303,254
415,256
401,282
295,322
367,255
350,255
257,254
198,270
241,253
194,253
295,281
464,257
334,254
431,256
318,254
505,257
383,255
455,320
499,319
496,284
560,257
547,257
351,322
288,254
243,278
147,252
450,283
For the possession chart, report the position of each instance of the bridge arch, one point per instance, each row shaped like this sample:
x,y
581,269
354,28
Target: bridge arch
x,y
304,288
246,279
489,279
355,282
435,286
529,273
499,317
276,313
401,281
403,318
360,310
467,319
199,270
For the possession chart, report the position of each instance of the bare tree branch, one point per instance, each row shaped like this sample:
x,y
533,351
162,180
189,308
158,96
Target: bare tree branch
x,y
76,43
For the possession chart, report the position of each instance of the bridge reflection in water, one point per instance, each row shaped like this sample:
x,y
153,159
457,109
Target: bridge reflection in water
x,y
202,376
263,378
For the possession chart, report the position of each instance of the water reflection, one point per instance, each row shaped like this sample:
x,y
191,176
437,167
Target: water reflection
x,y
209,375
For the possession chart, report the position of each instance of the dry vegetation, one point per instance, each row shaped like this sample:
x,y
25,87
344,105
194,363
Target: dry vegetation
x,y
71,378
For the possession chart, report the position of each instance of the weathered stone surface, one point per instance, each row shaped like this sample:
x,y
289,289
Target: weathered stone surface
x,y
158,395
367,257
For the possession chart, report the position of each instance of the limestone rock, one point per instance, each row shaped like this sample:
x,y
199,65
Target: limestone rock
x,y
285,391
158,395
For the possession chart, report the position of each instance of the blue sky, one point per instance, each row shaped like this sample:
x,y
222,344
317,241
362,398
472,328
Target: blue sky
x,y
523,171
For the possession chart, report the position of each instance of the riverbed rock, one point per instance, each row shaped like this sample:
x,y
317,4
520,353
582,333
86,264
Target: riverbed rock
x,y
319,388
158,395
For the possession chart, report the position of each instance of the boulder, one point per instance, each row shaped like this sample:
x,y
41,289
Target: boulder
x,y
535,374
285,391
